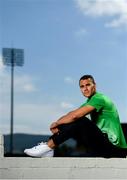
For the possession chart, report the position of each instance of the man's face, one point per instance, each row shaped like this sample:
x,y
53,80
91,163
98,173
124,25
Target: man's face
x,y
87,87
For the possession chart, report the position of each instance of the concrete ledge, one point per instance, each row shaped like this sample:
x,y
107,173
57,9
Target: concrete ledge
x,y
63,168
1,146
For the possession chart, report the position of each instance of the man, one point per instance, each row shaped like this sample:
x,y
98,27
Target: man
x,y
102,133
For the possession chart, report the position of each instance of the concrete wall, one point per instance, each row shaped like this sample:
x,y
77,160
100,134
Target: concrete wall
x,y
61,168
1,146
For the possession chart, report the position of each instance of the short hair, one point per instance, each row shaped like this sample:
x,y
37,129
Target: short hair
x,y
87,76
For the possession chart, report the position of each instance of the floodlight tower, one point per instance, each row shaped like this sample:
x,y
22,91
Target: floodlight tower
x,y
12,57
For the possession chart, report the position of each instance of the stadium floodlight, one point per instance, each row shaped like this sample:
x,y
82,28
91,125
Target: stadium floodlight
x,y
12,57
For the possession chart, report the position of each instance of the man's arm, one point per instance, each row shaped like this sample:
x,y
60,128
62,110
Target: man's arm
x,y
72,116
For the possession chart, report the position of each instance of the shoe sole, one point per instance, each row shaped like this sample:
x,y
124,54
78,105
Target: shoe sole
x,y
47,154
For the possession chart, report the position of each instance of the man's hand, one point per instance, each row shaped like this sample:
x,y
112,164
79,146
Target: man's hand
x,y
53,125
53,128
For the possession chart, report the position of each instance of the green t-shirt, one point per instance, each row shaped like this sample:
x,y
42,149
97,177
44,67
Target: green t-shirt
x,y
106,118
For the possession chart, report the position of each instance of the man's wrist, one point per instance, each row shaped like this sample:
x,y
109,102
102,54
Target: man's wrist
x,y
57,123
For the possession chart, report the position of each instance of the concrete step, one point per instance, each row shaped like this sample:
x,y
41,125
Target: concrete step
x,y
62,168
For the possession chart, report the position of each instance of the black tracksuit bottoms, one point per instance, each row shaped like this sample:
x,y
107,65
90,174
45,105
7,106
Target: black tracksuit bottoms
x,y
90,136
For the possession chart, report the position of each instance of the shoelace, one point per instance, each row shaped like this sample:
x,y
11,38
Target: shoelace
x,y
41,143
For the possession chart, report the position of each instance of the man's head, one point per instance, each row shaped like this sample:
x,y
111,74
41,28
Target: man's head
x,y
87,85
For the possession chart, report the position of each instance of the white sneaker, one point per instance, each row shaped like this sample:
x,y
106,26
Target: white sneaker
x,y
41,150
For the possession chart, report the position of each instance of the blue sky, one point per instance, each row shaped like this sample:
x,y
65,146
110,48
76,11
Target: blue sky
x,y
62,40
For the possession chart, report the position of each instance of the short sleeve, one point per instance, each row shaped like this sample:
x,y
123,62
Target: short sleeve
x,y
96,102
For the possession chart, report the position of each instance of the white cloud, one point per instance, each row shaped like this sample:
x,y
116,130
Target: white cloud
x,y
66,105
24,83
1,65
31,118
2,74
117,9
69,80
82,32
2,80
29,88
117,22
